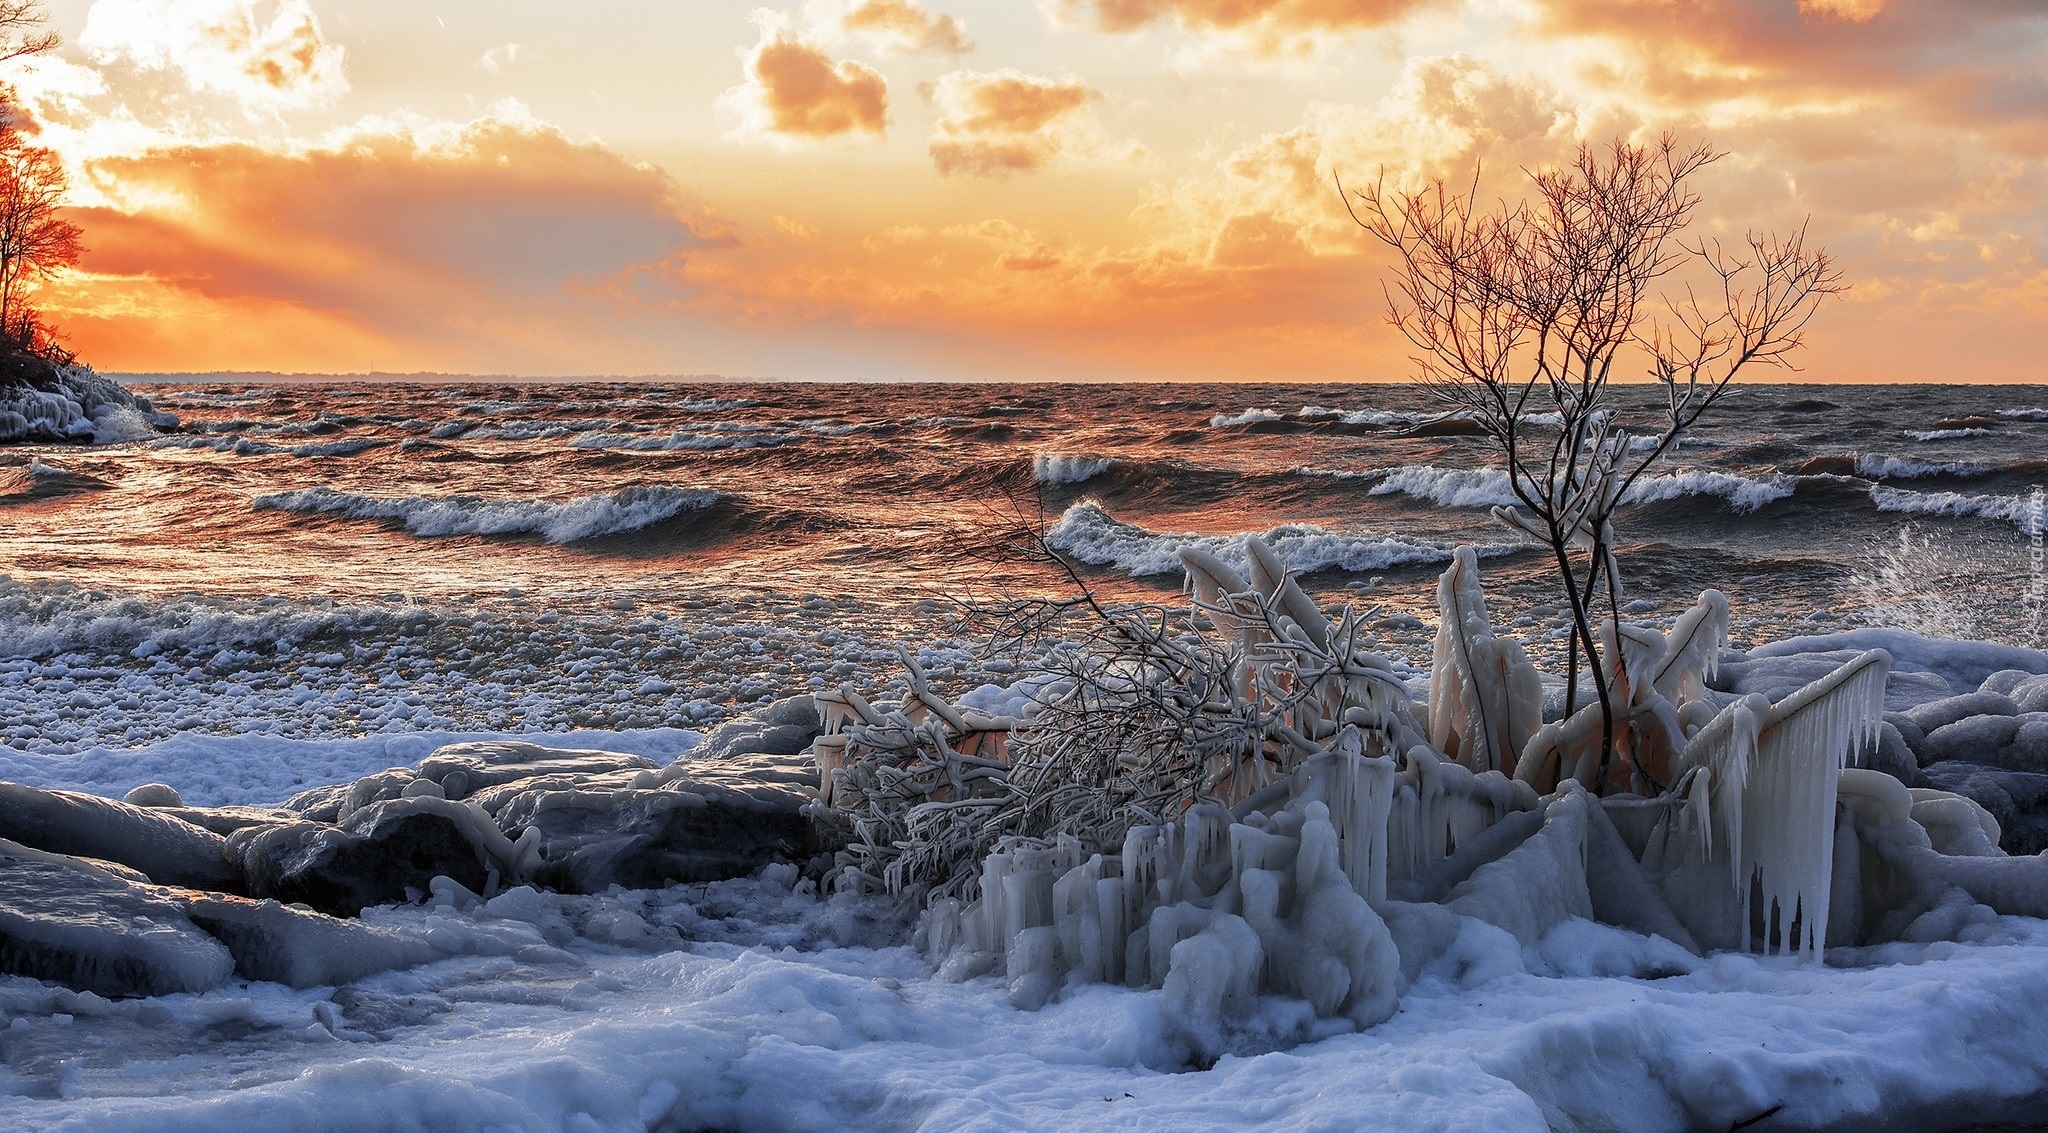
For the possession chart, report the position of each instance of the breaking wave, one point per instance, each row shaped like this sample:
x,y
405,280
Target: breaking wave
x,y
2028,513
1488,487
1902,468
1067,468
1946,434
1092,536
568,521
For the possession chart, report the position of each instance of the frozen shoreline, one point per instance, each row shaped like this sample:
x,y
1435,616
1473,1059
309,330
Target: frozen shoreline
x,y
697,1007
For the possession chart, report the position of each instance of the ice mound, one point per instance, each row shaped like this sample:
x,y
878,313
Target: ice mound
x,y
587,517
44,403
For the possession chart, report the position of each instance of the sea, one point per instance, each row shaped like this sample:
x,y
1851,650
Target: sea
x,y
483,547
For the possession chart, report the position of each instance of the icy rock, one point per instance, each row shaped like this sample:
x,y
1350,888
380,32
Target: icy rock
x,y
2015,743
168,851
41,402
1913,736
2031,695
275,942
1962,665
2018,800
154,795
66,921
1779,676
386,852
1891,755
2004,681
466,768
1937,714
770,744
699,828
225,820
1538,884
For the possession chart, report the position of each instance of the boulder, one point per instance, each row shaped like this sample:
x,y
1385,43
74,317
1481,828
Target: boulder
x,y
2017,799
2015,743
66,921
168,850
42,402
275,942
1940,713
1891,755
385,852
689,829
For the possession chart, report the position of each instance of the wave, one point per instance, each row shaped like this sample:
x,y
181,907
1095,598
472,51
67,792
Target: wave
x,y
1091,535
1067,468
1488,487
37,480
710,439
2030,414
2028,513
568,521
336,448
1924,435
1902,468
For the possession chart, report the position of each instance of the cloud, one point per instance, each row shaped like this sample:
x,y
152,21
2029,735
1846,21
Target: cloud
x,y
267,55
898,26
992,124
1274,23
500,57
794,90
421,240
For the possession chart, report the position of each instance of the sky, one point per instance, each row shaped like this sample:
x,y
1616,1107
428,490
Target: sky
x,y
1058,190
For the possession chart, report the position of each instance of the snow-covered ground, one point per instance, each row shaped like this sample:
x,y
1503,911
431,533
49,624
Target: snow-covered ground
x,y
743,1005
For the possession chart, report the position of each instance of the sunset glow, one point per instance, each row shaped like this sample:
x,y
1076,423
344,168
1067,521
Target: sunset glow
x,y
1072,189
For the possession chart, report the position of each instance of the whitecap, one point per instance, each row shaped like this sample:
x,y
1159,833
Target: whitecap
x,y
567,521
2028,513
1067,468
1091,535
1903,468
1924,435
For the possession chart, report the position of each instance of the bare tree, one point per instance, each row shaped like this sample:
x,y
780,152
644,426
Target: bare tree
x,y
35,239
21,29
1519,314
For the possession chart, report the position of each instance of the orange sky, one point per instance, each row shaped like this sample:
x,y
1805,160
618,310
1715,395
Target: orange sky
x,y
916,188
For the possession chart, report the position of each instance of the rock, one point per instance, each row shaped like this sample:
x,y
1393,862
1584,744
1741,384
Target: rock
x,y
154,795
2004,681
169,851
65,921
2017,799
275,942
225,820
1891,755
386,852
2016,743
2031,695
769,744
1913,736
1778,677
1939,713
688,830
466,768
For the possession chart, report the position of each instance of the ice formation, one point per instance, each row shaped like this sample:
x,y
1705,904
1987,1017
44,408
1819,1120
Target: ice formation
x,y
1316,839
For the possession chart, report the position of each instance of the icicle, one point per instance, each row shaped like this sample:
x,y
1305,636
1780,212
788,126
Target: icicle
x,y
1788,832
1485,699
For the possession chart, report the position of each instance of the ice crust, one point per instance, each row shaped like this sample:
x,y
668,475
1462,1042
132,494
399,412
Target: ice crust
x,y
1090,534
